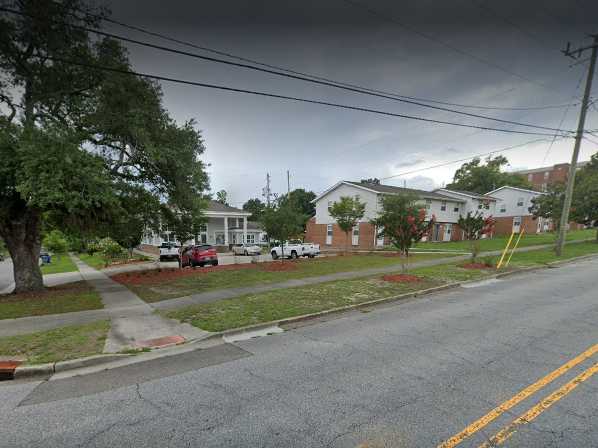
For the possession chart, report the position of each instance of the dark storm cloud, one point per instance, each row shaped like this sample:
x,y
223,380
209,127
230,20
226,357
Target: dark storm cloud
x,y
471,52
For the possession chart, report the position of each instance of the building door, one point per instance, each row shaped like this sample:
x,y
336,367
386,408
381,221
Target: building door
x,y
436,232
379,239
448,228
516,224
329,234
355,236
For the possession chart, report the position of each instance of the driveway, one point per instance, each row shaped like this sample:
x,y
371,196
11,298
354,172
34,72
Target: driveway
x,y
6,276
508,357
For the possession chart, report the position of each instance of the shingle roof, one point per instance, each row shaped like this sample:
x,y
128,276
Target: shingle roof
x,y
214,206
379,188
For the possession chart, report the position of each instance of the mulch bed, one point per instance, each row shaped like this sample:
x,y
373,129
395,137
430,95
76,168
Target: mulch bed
x,y
476,266
155,276
50,292
401,278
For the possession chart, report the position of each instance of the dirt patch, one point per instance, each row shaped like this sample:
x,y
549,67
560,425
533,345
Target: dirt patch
x,y
402,278
48,293
476,266
157,276
279,267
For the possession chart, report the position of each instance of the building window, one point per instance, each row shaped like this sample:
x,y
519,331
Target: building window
x,y
520,202
250,238
546,175
530,177
456,209
487,205
329,229
443,206
544,186
219,236
355,239
329,205
428,204
503,208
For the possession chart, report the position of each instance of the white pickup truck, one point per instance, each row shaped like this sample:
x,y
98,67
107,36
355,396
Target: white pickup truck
x,y
169,251
295,249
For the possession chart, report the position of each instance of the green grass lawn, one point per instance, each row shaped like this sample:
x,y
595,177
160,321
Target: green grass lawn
x,y
60,263
66,298
152,291
59,344
500,242
273,305
97,262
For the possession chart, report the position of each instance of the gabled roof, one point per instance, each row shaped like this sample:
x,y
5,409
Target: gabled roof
x,y
217,207
467,193
515,188
390,189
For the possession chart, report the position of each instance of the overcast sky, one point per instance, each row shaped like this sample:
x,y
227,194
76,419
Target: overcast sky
x,y
504,54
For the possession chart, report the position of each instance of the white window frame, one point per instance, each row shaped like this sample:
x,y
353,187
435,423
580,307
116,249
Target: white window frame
x,y
250,238
428,204
443,206
503,208
520,202
456,208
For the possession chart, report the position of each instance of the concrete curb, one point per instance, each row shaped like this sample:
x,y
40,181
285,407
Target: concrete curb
x,y
61,366
47,370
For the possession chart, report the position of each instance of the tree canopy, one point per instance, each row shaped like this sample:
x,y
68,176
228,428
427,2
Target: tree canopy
x,y
550,204
83,148
585,194
222,197
347,212
256,207
282,222
478,177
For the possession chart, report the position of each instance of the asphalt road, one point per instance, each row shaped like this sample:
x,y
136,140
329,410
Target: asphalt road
x,y
409,374
6,274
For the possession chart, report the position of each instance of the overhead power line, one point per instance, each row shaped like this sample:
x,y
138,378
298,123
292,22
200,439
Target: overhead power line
x,y
291,98
508,148
393,19
322,78
287,75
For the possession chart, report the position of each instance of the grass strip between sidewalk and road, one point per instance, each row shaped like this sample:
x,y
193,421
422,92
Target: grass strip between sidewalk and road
x,y
60,263
155,285
284,303
56,345
67,298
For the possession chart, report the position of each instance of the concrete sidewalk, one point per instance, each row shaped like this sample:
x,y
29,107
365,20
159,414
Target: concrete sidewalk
x,y
133,322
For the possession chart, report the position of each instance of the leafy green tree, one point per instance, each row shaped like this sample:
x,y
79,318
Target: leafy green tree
x,y
222,197
474,226
550,204
282,223
300,200
403,221
482,178
585,194
256,208
55,242
347,212
73,138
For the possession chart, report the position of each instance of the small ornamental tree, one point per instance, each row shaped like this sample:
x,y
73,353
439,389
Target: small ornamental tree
x,y
550,204
474,226
347,212
282,223
55,242
403,221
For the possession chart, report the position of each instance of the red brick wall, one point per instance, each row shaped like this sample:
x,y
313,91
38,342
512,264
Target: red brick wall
x,y
316,233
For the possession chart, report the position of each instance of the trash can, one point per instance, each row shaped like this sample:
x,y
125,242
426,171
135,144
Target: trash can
x,y
46,257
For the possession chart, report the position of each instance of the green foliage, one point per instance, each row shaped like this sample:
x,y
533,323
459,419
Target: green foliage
x,y
93,152
110,250
222,197
347,212
585,195
474,225
402,220
300,200
255,207
550,204
56,242
482,178
282,223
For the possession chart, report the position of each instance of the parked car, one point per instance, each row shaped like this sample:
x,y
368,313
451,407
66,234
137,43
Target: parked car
x,y
199,255
246,249
169,251
295,249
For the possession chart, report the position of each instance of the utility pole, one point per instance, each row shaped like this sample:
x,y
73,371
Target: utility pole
x,y
560,243
288,182
266,191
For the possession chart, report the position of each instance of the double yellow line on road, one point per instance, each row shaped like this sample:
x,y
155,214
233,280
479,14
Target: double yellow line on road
x,y
506,432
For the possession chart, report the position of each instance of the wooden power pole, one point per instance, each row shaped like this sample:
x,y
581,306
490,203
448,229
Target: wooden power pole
x,y
560,243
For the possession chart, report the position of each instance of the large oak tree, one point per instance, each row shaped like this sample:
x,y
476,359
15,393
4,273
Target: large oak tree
x,y
84,148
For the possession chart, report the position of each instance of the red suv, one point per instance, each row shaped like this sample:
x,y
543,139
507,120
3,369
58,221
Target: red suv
x,y
199,256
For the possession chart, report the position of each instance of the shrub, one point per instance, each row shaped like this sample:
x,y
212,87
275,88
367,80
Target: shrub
x,y
55,242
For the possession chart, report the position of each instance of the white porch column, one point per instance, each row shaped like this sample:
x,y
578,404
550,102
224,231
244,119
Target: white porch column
x,y
226,231
244,229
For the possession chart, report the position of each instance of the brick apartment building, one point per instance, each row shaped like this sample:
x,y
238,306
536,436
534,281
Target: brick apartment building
x,y
540,178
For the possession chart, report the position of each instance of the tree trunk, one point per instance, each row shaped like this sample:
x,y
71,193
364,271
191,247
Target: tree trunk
x,y
22,234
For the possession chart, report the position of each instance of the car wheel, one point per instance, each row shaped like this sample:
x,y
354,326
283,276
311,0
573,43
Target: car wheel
x,y
192,263
201,265
311,256
215,263
161,258
274,255
293,255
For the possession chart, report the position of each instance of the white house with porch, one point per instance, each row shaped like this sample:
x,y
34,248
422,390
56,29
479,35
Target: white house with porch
x,y
225,225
